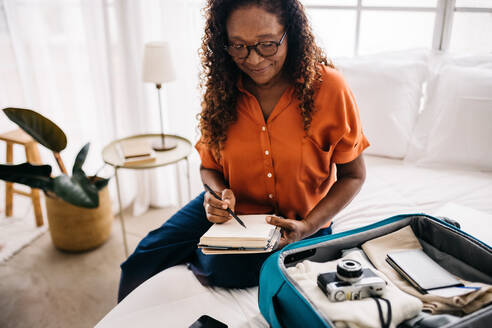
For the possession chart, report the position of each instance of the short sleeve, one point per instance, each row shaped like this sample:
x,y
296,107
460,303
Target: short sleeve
x,y
208,160
351,141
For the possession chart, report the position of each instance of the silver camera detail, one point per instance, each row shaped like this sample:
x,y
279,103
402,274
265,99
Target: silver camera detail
x,y
350,282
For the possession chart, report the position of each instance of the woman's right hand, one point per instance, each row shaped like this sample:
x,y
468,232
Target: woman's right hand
x,y
216,209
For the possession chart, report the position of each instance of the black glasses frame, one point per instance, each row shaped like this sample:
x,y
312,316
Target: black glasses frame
x,y
254,46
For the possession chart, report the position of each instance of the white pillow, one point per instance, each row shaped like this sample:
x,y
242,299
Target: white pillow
x,y
455,128
415,54
388,93
439,59
483,60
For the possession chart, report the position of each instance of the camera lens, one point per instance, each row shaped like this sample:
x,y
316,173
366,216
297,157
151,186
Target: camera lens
x,y
349,270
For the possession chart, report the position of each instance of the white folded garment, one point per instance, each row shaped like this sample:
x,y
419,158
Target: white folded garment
x,y
359,313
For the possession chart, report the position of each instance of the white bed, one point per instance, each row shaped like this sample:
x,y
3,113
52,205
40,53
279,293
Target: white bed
x,y
174,298
451,127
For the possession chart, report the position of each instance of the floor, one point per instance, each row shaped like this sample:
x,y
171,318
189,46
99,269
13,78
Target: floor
x,y
43,287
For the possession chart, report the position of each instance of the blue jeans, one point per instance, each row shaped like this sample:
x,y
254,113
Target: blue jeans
x,y
175,242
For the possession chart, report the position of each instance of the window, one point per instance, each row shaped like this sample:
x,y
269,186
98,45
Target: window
x,y
395,30
334,30
471,26
358,27
401,3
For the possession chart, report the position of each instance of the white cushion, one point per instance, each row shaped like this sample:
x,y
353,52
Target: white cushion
x,y
415,54
455,128
484,60
438,60
388,91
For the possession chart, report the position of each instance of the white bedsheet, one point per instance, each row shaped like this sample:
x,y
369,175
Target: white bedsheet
x,y
394,187
174,298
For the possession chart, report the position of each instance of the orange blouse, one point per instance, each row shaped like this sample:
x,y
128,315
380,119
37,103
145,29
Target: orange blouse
x,y
273,166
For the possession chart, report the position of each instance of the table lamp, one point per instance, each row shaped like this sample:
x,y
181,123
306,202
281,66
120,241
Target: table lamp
x,y
158,68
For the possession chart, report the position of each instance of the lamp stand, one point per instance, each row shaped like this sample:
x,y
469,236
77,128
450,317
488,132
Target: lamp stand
x,y
162,144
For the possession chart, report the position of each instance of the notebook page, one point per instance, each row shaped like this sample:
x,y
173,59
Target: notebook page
x,y
257,229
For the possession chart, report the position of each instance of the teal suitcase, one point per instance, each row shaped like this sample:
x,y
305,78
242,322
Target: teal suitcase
x,y
282,304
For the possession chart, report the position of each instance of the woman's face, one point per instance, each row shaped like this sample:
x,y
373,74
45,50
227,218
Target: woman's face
x,y
248,26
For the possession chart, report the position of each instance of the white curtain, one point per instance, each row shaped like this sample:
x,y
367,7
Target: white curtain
x,y
79,63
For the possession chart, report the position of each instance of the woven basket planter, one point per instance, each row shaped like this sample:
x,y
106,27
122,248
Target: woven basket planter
x,y
74,228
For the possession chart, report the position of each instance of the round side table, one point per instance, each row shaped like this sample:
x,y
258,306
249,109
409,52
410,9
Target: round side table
x,y
112,156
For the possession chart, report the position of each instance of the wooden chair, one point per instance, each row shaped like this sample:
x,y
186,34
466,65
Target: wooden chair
x,y
32,156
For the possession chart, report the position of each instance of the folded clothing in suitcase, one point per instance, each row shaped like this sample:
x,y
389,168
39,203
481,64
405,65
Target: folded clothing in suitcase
x,y
284,303
359,311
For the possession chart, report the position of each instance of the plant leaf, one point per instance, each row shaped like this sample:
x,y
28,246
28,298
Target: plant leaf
x,y
34,176
82,179
87,185
80,159
39,127
101,183
76,190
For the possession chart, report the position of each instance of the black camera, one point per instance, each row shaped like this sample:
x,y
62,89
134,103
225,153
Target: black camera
x,y
350,282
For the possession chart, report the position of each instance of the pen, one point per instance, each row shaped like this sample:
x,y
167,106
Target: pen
x,y
228,209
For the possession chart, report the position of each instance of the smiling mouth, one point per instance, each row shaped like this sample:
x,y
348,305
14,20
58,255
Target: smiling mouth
x,y
260,70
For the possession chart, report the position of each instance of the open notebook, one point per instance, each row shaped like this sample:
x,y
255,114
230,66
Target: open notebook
x,y
231,238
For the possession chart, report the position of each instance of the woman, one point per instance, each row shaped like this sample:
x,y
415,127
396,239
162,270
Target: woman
x,y
281,134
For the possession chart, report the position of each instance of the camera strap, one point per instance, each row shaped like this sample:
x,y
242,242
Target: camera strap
x,y
384,324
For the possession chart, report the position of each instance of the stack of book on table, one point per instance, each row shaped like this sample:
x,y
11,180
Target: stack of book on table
x,y
136,151
232,238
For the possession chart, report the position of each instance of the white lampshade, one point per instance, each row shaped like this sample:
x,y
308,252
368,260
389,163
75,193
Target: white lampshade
x,y
157,63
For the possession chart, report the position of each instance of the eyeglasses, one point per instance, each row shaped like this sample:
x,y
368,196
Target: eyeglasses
x,y
264,49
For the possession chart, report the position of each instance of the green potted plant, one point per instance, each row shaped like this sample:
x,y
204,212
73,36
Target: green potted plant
x,y
78,207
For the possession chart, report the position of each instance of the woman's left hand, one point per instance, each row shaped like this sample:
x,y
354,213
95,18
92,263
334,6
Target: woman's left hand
x,y
292,230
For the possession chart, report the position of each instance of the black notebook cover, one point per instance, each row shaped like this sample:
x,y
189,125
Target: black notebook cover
x,y
420,270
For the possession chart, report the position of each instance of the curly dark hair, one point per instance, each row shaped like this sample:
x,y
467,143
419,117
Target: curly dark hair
x,y
220,74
